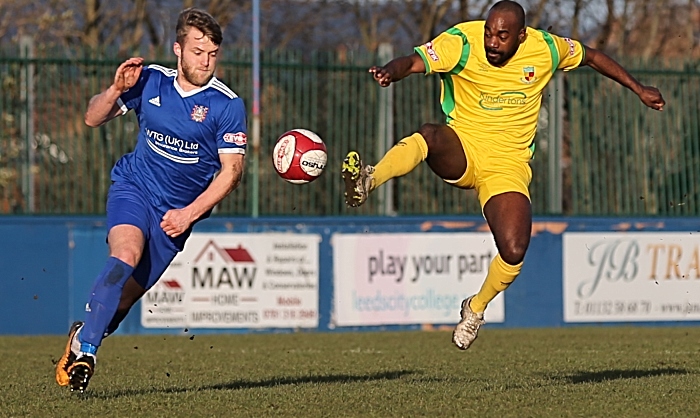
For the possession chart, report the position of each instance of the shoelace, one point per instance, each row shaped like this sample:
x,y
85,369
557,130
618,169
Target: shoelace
x,y
473,321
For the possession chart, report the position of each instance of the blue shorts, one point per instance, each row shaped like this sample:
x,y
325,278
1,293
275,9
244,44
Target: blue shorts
x,y
128,205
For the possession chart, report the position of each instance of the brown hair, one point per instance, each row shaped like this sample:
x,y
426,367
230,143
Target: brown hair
x,y
196,18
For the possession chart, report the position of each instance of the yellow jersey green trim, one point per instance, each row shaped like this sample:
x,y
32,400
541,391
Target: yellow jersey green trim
x,y
424,58
448,99
465,50
448,95
552,49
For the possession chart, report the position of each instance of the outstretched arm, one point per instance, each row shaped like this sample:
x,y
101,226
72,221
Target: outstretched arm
x,y
608,67
397,69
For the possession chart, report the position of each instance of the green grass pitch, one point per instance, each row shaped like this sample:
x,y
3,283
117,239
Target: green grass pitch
x,y
567,372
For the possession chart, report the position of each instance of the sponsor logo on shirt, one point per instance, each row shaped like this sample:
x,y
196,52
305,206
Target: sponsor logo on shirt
x,y
199,113
238,138
172,143
431,52
529,76
572,47
496,101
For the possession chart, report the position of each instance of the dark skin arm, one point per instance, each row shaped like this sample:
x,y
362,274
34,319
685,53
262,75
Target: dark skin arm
x,y
397,69
608,67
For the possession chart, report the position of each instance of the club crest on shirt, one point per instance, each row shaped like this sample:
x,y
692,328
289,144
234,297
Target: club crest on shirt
x,y
529,76
199,113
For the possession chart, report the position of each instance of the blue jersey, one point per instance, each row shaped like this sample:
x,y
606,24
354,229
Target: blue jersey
x,y
181,135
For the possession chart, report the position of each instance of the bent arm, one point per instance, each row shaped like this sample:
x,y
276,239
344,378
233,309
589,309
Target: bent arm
x,y
103,107
177,221
226,181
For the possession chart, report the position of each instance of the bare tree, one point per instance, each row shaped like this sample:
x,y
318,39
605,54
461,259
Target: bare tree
x,y
536,13
606,30
91,31
422,17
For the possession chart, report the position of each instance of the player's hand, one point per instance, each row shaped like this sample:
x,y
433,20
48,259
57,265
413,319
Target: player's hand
x,y
651,96
176,221
381,75
128,74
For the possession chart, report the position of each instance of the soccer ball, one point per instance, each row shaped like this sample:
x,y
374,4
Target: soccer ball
x,y
299,156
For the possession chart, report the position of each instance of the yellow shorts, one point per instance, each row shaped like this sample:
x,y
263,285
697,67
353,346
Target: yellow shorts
x,y
493,170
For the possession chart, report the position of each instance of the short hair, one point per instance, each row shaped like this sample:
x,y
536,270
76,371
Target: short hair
x,y
196,18
510,6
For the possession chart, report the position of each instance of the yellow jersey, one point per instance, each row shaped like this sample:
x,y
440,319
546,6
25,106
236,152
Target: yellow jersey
x,y
496,104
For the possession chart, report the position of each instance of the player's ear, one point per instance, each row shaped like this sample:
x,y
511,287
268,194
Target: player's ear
x,y
177,50
522,35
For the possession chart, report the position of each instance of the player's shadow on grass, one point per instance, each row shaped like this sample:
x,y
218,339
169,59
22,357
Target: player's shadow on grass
x,y
248,384
617,374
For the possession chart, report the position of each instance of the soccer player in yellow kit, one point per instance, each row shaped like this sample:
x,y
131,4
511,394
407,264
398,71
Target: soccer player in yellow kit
x,y
493,73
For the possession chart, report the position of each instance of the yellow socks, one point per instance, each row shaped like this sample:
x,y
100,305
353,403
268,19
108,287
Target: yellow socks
x,y
400,159
500,276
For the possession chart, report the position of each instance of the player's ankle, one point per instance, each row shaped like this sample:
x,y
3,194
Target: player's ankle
x,y
87,349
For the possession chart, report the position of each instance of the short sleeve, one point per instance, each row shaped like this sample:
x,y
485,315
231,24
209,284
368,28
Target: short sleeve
x,y
131,98
231,135
571,53
442,54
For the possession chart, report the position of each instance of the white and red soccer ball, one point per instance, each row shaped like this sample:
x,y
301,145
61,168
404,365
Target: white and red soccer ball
x,y
299,156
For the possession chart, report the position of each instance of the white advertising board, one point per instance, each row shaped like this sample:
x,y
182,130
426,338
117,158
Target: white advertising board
x,y
636,276
227,280
416,278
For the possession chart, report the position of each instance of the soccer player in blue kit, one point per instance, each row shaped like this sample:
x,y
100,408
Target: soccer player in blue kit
x,y
191,127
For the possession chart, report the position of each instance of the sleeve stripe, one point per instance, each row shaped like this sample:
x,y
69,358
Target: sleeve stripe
x,y
122,106
217,84
552,50
169,72
231,150
425,60
465,50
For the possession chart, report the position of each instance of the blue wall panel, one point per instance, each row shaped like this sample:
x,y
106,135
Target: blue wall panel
x,y
48,265
33,266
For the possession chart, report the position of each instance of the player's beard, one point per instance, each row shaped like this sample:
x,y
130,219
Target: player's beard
x,y
194,77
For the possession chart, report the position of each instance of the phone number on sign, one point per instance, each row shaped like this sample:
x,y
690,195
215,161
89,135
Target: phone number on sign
x,y
612,307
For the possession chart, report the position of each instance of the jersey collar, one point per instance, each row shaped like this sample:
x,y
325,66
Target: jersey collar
x,y
184,93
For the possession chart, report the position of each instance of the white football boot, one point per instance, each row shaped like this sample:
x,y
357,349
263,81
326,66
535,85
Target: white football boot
x,y
467,330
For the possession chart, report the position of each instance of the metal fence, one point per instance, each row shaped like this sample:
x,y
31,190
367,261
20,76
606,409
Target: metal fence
x,y
599,151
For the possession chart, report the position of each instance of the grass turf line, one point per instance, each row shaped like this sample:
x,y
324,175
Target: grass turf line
x,y
594,372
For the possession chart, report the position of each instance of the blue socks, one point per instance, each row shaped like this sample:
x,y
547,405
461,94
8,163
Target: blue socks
x,y
104,301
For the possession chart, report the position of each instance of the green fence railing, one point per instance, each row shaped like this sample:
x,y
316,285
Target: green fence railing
x,y
617,158
627,159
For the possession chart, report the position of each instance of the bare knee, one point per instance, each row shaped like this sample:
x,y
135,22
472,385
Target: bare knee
x,y
126,243
513,252
429,131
